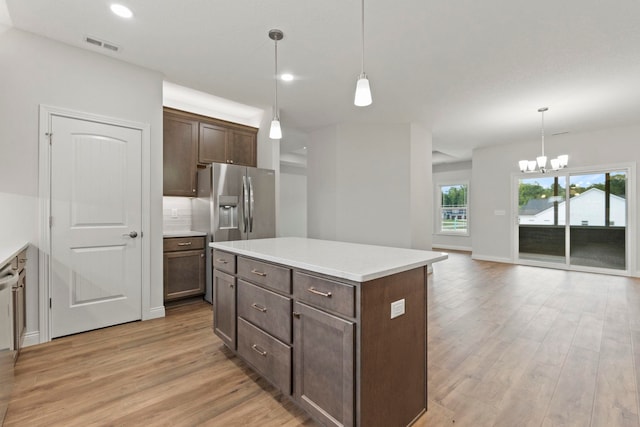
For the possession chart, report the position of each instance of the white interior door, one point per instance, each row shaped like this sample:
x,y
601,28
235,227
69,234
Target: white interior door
x,y
96,252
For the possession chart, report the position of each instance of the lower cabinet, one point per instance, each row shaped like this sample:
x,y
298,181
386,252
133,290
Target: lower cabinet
x,y
328,343
184,267
324,365
269,356
224,308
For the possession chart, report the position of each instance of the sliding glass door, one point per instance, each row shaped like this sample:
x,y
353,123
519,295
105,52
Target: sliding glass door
x,y
575,219
598,219
541,219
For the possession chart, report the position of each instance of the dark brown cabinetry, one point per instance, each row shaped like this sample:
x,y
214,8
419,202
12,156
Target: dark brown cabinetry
x,y
324,358
184,267
224,307
329,344
180,145
191,140
222,144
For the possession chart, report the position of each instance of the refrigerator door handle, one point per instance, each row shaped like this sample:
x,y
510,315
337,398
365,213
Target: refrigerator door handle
x,y
245,201
251,205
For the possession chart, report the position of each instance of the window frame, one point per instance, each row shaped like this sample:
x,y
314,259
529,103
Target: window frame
x,y
438,214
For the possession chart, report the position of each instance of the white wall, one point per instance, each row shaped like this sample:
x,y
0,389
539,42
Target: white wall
x,y
35,71
421,183
322,183
450,173
359,180
495,168
293,202
268,157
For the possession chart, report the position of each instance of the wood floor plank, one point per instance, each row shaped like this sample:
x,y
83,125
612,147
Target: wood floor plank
x,y
572,401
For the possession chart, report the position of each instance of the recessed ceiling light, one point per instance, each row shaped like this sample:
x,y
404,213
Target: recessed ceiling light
x,y
121,10
286,77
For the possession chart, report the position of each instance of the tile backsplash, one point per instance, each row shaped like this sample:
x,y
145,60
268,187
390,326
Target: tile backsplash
x,y
176,214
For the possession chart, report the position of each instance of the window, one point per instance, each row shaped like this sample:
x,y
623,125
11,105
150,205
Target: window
x,y
454,208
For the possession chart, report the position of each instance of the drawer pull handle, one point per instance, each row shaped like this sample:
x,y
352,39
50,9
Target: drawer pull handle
x,y
317,292
184,244
259,273
258,350
259,308
222,261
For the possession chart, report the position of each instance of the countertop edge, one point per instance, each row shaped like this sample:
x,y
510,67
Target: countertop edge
x,y
328,270
8,255
170,234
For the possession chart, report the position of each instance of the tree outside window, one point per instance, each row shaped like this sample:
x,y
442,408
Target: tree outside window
x,y
454,209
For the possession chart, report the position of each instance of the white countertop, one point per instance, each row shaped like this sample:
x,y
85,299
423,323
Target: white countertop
x,y
10,250
183,233
349,261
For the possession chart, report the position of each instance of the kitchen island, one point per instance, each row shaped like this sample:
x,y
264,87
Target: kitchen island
x,y
338,327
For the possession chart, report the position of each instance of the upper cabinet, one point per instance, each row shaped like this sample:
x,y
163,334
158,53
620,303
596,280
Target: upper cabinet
x,y
191,140
213,144
180,145
220,144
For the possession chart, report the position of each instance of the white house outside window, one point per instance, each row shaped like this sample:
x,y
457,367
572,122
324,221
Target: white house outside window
x,y
454,209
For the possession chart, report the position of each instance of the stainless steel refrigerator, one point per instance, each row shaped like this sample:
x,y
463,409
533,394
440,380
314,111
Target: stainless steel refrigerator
x,y
234,203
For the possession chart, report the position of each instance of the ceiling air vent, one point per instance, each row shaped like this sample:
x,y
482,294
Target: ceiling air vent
x,y
94,41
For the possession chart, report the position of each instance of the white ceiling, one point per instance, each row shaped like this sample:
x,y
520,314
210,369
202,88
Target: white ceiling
x,y
475,72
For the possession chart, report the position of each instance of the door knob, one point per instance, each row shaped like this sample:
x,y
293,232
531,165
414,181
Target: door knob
x,y
133,234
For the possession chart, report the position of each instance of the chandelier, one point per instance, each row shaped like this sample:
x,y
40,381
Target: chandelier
x,y
540,163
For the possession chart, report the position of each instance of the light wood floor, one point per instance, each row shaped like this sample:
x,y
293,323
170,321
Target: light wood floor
x,y
508,346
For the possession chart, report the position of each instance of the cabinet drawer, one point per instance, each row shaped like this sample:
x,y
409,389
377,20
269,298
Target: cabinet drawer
x,y
182,243
324,293
224,261
270,357
269,275
266,309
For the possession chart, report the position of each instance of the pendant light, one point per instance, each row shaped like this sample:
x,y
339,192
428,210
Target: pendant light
x,y
276,132
363,90
528,166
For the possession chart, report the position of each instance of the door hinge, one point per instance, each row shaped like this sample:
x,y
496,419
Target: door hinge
x,y
49,302
49,135
50,221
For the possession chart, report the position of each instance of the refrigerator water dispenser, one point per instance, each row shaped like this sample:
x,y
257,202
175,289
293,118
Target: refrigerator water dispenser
x,y
228,212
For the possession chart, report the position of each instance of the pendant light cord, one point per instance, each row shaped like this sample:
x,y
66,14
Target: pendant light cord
x,y
362,63
275,80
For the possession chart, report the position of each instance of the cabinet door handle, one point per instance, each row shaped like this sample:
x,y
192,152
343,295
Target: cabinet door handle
x,y
184,244
259,273
222,261
317,292
231,285
259,307
296,314
258,350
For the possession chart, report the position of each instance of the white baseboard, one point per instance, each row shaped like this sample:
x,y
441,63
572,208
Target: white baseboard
x,y
155,313
31,338
491,258
452,248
